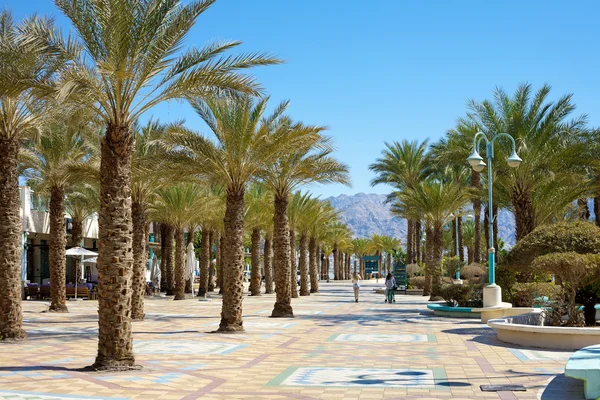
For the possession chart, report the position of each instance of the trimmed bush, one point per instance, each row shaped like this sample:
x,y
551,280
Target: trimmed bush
x,y
417,282
474,273
461,295
413,270
578,237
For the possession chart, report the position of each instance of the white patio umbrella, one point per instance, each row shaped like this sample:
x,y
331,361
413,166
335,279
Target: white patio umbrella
x,y
190,263
79,251
155,272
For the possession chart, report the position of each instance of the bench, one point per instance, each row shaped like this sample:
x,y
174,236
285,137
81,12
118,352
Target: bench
x,y
82,291
584,364
44,292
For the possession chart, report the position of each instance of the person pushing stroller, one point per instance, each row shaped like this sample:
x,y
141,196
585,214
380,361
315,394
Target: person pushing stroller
x,y
390,288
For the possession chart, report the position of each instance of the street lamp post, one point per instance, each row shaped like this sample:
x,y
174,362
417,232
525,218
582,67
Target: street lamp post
x,y
492,295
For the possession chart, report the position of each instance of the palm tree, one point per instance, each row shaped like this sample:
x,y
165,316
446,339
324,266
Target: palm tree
x,y
27,73
179,206
81,203
376,246
309,161
47,165
299,212
390,244
245,143
403,165
435,200
338,236
360,248
452,151
259,209
317,218
554,147
132,61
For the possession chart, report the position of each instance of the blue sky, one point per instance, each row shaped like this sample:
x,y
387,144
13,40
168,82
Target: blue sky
x,y
391,69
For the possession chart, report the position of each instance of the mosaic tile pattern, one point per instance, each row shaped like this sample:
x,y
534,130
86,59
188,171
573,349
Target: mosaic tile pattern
x,y
333,349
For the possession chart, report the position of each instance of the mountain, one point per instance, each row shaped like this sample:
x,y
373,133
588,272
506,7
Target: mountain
x,y
367,213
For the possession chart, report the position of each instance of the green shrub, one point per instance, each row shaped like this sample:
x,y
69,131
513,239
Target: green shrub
x,y
533,294
413,270
461,295
417,282
474,273
579,237
451,264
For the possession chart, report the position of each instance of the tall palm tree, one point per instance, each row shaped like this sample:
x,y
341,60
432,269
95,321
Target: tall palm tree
x,y
377,246
435,200
403,165
133,60
453,150
309,162
553,146
245,143
360,248
27,73
47,164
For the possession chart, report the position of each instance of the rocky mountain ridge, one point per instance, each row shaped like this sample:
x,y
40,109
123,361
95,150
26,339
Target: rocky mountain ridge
x,y
367,213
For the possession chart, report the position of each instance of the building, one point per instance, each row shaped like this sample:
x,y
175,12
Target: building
x,y
36,233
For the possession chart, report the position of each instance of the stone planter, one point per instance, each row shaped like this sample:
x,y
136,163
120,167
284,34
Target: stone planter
x,y
522,330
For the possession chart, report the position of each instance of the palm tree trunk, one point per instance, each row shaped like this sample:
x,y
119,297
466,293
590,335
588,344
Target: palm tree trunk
x,y
57,242
281,259
469,255
454,238
313,263
293,265
163,258
436,260
140,256
410,238
476,183
461,245
335,262
417,244
189,283
211,270
524,213
179,264
255,263
221,258
115,255
304,264
597,210
362,267
389,261
428,259
233,265
268,262
11,314
168,260
76,240
204,262
584,209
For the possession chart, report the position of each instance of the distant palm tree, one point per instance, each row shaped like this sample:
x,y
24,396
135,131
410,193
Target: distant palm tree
x,y
47,165
81,203
318,219
360,248
300,210
309,161
435,200
259,210
133,60
403,165
27,73
179,206
390,244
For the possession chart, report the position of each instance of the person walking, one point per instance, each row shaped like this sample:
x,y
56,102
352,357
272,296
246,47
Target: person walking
x,y
390,287
356,285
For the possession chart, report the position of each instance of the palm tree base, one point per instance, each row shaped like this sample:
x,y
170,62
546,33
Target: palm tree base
x,y
13,336
282,311
230,328
314,291
58,308
137,318
179,297
305,293
113,365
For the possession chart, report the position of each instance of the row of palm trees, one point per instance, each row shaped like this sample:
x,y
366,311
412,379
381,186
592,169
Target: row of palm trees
x,y
433,183
76,101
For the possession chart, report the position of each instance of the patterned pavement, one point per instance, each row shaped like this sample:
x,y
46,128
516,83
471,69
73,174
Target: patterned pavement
x,y
333,349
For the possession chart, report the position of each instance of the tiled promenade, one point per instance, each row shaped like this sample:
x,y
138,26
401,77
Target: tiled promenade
x,y
333,349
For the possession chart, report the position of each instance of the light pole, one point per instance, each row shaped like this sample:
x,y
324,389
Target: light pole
x,y
492,295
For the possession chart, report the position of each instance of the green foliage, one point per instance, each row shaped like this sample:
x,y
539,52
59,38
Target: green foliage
x,y
451,264
474,273
461,295
414,270
533,294
578,237
417,282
